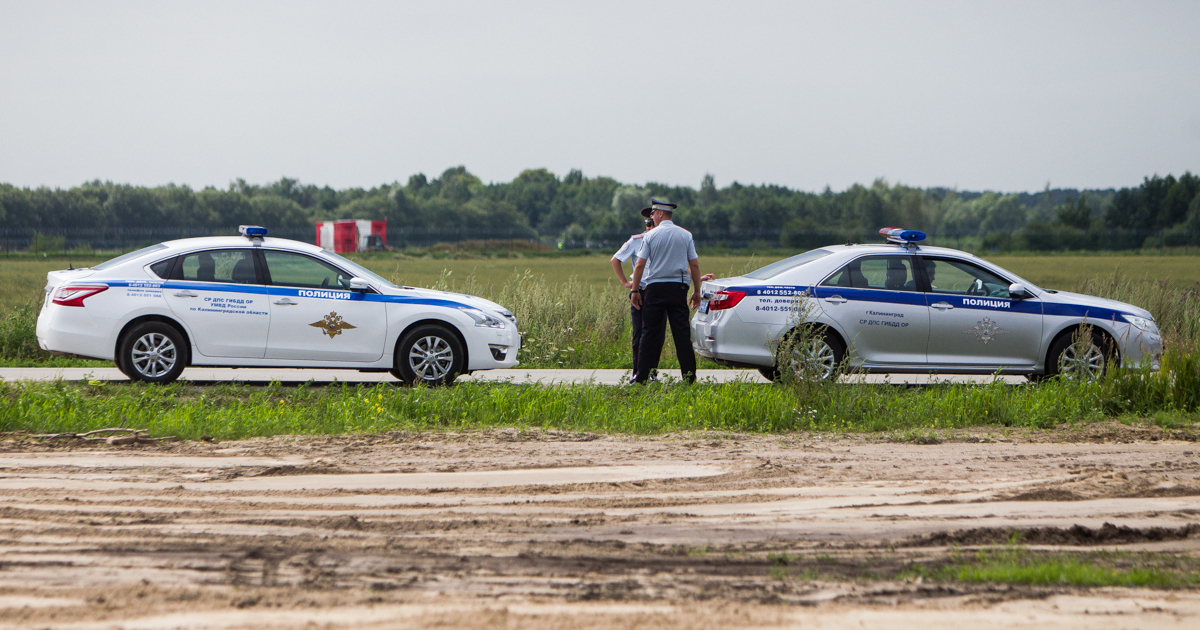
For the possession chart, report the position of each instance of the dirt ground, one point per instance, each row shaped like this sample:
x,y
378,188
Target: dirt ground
x,y
548,530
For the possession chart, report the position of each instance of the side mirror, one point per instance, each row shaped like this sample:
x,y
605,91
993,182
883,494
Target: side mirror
x,y
359,284
1017,291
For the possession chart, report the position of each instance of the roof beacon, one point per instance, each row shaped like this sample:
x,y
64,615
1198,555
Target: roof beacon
x,y
253,232
907,238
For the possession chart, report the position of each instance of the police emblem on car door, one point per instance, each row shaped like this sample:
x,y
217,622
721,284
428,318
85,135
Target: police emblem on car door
x,y
332,325
974,321
311,310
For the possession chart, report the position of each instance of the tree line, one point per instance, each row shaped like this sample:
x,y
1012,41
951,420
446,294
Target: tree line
x,y
540,205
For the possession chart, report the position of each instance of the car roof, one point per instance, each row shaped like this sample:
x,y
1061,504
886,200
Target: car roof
x,y
206,242
887,248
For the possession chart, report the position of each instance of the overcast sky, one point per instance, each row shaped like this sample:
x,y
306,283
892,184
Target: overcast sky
x,y
976,95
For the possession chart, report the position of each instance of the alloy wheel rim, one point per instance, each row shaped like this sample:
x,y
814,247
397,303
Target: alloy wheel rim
x,y
431,358
814,361
1081,363
153,355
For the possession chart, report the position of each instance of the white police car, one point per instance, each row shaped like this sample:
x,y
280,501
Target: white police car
x,y
253,301
901,308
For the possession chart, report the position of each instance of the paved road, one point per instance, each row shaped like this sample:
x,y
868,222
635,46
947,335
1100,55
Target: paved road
x,y
601,377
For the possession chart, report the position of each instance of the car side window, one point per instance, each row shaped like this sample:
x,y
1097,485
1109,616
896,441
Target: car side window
x,y
163,269
962,278
296,270
890,273
234,266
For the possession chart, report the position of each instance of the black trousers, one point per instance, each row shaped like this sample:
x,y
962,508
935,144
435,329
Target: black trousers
x,y
665,303
635,314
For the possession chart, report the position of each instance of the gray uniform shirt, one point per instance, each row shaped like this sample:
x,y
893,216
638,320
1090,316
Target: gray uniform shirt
x,y
629,251
667,250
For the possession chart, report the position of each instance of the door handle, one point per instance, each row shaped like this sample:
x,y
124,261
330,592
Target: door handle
x,y
836,299
943,306
286,302
185,293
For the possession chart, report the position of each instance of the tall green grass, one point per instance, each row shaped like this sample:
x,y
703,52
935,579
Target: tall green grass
x,y
570,321
235,411
18,335
571,324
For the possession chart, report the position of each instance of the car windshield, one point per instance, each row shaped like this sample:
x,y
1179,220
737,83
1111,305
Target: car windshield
x,y
358,270
787,264
128,257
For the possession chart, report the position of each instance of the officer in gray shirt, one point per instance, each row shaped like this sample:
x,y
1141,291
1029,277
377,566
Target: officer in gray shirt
x,y
666,261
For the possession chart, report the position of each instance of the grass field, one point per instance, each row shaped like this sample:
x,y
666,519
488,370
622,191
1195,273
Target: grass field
x,y
574,314
1170,397
21,279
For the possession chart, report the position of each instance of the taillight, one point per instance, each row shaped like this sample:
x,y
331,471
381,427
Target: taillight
x,y
722,300
75,295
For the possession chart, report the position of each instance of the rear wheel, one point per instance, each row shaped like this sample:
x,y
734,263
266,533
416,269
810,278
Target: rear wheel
x,y
817,358
152,352
430,355
1077,359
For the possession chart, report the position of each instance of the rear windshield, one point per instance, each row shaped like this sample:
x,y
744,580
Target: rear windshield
x,y
130,256
787,264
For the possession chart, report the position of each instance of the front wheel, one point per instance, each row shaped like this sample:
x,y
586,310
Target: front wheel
x,y
1079,359
152,352
430,355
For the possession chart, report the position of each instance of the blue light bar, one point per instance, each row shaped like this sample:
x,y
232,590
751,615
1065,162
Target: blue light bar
x,y
902,237
252,231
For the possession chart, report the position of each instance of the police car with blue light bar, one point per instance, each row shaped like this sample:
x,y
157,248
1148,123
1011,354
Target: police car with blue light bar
x,y
897,307
255,301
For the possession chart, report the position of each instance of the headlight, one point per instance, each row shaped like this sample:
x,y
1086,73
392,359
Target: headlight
x,y
1141,323
482,319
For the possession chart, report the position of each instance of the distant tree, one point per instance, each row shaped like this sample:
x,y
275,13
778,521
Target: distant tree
x,y
708,191
1174,206
456,185
531,193
131,206
1077,215
416,186
218,208
273,211
1128,211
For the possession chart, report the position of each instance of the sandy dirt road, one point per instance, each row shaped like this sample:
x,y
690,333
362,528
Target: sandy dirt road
x,y
547,530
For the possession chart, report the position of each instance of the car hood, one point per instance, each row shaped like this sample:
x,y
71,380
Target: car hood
x,y
461,298
1066,297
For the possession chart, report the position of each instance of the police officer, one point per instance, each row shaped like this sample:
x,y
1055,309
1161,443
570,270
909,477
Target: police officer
x,y
627,251
666,260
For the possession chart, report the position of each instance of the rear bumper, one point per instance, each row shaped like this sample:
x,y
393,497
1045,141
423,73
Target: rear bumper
x,y
73,331
727,340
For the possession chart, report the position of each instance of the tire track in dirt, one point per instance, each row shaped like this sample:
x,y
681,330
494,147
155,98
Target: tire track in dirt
x,y
382,529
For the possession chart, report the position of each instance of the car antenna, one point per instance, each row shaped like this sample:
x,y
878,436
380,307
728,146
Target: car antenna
x,y
70,267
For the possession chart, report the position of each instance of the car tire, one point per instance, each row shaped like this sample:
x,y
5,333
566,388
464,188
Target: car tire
x,y
429,354
769,373
152,352
1071,363
820,360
